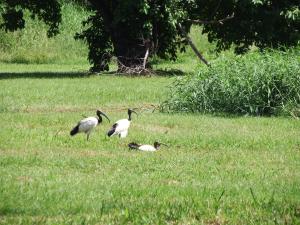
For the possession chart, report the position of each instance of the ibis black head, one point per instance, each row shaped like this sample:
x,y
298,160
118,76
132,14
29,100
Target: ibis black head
x,y
157,144
130,111
99,113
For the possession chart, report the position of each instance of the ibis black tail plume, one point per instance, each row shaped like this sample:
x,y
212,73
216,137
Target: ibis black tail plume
x,y
112,130
133,145
74,130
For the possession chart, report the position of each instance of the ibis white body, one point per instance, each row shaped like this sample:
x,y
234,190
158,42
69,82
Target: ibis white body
x,y
120,128
87,125
147,148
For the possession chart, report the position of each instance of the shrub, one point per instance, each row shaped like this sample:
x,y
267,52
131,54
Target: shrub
x,y
265,83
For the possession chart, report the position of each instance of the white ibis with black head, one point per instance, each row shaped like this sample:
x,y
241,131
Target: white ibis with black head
x,y
146,148
121,126
88,124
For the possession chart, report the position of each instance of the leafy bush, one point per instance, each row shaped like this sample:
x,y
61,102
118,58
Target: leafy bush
x,y
265,83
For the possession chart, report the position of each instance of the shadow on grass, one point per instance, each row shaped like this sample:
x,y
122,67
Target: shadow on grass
x,y
39,75
169,72
16,75
151,72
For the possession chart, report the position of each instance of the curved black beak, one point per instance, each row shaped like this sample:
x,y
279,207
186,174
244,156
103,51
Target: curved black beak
x,y
129,113
157,144
164,144
99,113
132,111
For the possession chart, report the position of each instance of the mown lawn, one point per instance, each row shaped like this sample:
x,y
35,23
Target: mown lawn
x,y
216,170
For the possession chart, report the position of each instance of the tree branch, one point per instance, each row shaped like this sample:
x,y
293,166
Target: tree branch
x,y
221,21
189,40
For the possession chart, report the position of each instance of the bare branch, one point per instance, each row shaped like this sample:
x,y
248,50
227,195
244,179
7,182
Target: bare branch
x,y
221,21
189,40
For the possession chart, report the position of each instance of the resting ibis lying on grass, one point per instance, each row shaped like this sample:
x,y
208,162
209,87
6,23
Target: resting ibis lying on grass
x,y
121,126
146,148
88,124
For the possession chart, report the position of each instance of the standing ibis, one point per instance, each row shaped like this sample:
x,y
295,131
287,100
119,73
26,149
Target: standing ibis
x,y
121,126
88,124
146,148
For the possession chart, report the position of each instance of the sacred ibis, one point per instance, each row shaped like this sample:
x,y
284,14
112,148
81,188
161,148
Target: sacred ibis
x,y
146,148
121,126
88,124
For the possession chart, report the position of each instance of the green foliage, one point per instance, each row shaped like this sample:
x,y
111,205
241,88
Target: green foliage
x,y
98,41
263,23
48,11
131,25
255,84
126,29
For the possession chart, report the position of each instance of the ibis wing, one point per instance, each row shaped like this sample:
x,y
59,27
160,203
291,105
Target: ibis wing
x,y
122,125
87,124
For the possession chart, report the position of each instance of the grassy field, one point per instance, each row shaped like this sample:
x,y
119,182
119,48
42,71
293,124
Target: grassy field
x,y
216,170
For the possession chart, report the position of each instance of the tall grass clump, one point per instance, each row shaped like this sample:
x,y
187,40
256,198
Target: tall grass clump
x,y
266,83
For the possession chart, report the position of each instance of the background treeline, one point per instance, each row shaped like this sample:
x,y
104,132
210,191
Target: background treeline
x,y
32,46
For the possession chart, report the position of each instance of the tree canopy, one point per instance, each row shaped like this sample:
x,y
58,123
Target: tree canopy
x,y
129,30
13,17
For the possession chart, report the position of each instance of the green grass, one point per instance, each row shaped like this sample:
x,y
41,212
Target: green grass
x,y
216,170
30,70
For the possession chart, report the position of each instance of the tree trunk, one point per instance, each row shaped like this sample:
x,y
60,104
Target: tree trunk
x,y
130,51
